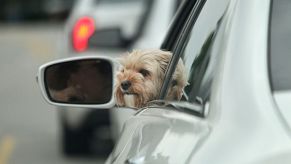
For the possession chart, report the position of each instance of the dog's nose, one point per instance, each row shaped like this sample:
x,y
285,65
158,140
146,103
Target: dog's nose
x,y
125,85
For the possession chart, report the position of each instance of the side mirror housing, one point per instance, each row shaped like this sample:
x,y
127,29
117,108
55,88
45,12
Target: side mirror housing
x,y
85,81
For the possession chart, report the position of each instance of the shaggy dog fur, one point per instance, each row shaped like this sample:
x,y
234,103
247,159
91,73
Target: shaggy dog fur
x,y
141,76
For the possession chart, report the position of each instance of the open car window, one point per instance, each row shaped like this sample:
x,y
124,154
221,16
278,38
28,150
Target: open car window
x,y
280,57
280,41
200,52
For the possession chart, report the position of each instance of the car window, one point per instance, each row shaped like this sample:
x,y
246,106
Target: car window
x,y
280,49
199,54
280,56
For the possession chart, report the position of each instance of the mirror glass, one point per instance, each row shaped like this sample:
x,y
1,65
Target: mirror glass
x,y
85,81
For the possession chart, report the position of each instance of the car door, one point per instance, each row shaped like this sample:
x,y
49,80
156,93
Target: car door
x,y
170,132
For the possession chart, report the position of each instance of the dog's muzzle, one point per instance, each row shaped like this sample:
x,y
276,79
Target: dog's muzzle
x,y
125,85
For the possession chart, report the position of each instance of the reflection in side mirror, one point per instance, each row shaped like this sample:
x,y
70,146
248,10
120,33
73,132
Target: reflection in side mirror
x,y
78,81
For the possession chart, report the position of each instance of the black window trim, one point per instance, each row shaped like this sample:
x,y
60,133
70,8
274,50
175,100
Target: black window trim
x,y
179,45
179,21
269,46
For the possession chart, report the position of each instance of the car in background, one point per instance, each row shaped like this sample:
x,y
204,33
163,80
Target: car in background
x,y
107,27
236,108
18,11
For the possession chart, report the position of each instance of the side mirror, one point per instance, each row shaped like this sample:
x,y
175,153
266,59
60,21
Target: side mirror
x,y
85,81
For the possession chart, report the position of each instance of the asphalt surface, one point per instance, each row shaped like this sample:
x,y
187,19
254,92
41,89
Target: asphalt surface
x,y
29,131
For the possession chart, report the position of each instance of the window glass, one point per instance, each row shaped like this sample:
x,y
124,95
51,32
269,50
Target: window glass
x,y
199,54
280,56
280,45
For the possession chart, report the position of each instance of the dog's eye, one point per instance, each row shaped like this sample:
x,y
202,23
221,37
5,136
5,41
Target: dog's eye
x,y
174,83
144,72
122,70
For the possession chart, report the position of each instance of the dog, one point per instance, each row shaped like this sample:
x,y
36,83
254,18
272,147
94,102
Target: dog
x,y
141,77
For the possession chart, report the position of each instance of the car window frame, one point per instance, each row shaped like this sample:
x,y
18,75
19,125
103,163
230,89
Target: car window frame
x,y
176,43
176,26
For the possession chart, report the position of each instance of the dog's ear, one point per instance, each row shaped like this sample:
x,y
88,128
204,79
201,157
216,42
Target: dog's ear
x,y
123,58
179,93
163,58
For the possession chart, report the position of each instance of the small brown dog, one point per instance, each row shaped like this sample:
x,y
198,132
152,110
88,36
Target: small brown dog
x,y
141,76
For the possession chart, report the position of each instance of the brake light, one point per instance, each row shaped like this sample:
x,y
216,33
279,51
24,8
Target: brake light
x,y
82,31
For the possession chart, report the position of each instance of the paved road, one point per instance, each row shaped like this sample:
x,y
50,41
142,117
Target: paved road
x,y
28,125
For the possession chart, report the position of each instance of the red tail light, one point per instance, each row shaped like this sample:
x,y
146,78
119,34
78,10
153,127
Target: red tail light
x,y
82,31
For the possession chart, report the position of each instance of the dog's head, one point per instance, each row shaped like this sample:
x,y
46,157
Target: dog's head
x,y
140,78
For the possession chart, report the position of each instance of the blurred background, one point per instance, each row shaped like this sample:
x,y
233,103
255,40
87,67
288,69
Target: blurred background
x,y
33,32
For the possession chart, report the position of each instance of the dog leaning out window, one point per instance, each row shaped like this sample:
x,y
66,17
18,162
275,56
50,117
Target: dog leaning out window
x,y
141,76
